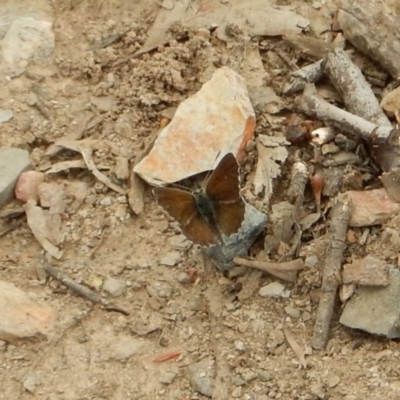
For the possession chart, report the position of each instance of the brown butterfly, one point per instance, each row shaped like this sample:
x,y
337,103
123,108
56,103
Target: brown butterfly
x,y
205,214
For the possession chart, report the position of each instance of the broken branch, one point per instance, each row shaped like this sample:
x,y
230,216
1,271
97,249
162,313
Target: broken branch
x,y
340,216
83,291
285,270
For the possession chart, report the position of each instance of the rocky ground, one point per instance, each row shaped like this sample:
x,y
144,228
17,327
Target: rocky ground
x,y
189,329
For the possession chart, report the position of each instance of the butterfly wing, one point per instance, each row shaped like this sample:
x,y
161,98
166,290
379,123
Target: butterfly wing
x,y
181,206
223,190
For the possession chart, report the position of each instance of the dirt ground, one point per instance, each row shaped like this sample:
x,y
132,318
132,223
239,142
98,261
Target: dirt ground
x,y
98,354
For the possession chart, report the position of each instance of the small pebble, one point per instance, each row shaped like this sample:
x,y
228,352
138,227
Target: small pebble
x,y
249,376
195,303
106,201
30,383
183,277
167,377
201,376
159,289
179,242
115,287
306,316
264,376
237,392
311,261
292,311
273,289
171,259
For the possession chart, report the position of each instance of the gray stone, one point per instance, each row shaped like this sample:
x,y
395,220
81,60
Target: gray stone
x,y
201,376
183,277
30,383
274,289
12,163
5,115
171,259
106,201
195,303
167,377
264,376
159,289
292,311
180,242
375,309
238,245
115,287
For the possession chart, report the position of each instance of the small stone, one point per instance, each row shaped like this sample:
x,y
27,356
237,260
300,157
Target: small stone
x,y
264,376
105,201
183,277
204,33
121,212
122,199
122,168
333,381
21,317
238,381
115,287
239,346
5,115
329,148
12,163
292,311
154,304
167,4
201,376
171,259
311,261
30,383
161,226
180,242
306,316
159,289
237,392
27,187
249,375
195,303
273,289
166,378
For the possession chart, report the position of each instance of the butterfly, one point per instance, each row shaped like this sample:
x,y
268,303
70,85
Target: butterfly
x,y
205,214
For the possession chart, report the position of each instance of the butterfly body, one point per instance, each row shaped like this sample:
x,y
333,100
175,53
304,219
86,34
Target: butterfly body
x,y
207,214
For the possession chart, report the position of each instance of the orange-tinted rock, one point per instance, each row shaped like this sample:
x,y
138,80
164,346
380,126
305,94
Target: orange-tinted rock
x,y
21,317
217,120
28,185
371,207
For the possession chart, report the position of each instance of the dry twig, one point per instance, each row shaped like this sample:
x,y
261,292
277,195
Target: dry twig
x,y
84,291
340,216
285,270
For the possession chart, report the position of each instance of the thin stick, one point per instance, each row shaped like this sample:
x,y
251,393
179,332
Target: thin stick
x,y
340,216
285,270
316,107
83,291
